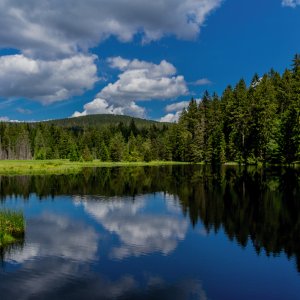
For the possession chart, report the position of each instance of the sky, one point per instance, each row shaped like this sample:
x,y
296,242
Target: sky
x,y
142,58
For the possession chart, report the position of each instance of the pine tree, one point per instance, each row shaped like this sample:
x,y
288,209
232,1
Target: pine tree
x,y
39,145
86,154
73,154
117,147
104,153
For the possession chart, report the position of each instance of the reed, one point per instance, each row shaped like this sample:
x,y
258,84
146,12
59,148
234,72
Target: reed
x,y
12,226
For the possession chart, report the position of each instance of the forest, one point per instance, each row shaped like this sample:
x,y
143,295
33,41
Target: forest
x,y
259,123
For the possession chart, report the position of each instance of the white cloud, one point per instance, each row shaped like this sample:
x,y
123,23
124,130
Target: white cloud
x,y
174,110
4,119
46,81
202,81
142,80
164,68
98,106
178,106
139,81
290,3
53,28
7,119
171,117
53,38
101,106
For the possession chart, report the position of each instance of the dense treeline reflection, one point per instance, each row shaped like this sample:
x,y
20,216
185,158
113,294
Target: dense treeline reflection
x,y
250,204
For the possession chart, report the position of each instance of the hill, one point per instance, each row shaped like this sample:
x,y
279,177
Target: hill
x,y
104,120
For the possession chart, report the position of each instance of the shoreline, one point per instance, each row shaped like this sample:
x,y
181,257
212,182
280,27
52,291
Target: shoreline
x,y
64,166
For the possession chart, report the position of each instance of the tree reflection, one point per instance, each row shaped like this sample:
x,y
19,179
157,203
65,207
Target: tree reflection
x,y
9,249
260,205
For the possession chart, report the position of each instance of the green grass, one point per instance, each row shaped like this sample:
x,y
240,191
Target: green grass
x,y
40,167
12,227
64,166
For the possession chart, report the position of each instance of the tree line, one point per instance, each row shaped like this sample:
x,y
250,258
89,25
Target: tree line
x,y
259,123
252,124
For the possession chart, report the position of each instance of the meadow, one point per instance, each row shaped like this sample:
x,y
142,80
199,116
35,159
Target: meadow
x,y
64,166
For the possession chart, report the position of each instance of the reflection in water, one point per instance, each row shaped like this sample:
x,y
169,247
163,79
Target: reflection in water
x,y
11,250
139,232
255,204
54,235
59,254
92,286
55,249
102,241
258,205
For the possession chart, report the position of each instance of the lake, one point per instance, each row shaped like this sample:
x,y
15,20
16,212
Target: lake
x,y
170,232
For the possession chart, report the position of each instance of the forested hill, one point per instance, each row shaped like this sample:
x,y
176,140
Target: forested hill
x,y
249,124
104,120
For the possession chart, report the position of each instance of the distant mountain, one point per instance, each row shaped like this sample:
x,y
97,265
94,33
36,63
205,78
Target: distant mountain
x,y
104,120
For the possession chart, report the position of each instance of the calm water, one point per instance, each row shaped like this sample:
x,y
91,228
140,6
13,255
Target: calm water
x,y
185,232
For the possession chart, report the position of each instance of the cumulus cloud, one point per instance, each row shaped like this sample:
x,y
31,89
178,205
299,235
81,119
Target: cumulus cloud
x,y
290,3
142,80
178,106
53,39
171,117
98,106
101,106
138,81
174,110
46,81
51,28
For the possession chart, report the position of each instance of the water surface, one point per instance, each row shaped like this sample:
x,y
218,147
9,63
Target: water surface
x,y
174,232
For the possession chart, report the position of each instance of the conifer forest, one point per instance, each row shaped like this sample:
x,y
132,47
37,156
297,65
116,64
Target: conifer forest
x,y
249,124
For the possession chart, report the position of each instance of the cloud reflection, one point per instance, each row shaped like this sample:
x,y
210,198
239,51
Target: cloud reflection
x,y
140,232
55,235
60,261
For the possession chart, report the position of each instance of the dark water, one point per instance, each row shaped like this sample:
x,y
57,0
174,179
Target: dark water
x,y
184,232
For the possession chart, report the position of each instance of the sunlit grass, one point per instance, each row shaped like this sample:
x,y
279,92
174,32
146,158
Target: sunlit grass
x,y
62,166
12,226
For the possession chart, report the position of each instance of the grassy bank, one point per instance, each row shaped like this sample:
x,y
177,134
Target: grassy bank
x,y
12,227
28,167
61,166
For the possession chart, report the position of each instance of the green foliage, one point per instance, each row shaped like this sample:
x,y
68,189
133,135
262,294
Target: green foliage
x,y
73,155
104,153
117,147
86,154
12,226
254,124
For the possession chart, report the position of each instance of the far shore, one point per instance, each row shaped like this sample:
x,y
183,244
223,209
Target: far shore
x,y
64,166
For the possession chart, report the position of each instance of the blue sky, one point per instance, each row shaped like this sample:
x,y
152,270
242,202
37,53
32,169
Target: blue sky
x,y
71,58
